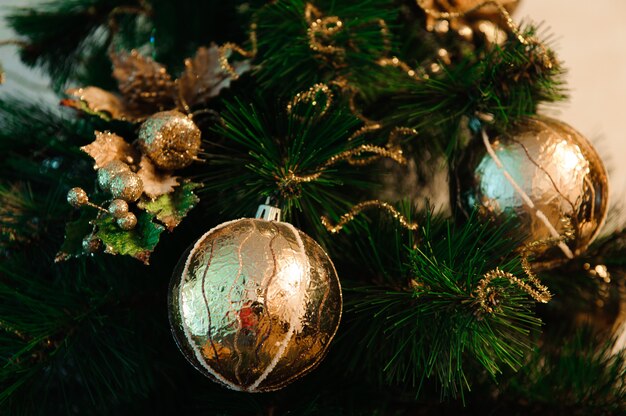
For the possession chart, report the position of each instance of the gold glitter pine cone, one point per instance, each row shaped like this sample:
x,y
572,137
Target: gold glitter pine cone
x,y
255,304
170,139
555,167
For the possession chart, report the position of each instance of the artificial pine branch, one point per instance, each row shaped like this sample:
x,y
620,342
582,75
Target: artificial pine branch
x,y
580,375
91,335
284,37
263,153
71,39
52,318
505,82
422,294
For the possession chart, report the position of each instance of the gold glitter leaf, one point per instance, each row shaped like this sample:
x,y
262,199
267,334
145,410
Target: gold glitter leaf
x,y
96,101
75,232
204,77
170,209
155,183
138,242
108,147
144,83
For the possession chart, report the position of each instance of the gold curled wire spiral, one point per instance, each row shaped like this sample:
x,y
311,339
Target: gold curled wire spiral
x,y
350,156
354,157
360,207
322,27
487,296
311,95
368,128
395,62
546,57
227,48
351,92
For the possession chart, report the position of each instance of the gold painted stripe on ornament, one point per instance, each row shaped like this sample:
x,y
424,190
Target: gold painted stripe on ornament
x,y
543,169
201,359
267,287
208,309
295,317
230,302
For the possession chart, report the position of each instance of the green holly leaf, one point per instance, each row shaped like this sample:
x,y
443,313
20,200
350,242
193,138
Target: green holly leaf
x,y
170,209
75,232
138,242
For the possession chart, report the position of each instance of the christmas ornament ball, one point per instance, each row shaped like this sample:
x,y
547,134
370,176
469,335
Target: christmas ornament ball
x,y
110,171
77,197
118,208
255,304
170,139
542,174
127,186
127,222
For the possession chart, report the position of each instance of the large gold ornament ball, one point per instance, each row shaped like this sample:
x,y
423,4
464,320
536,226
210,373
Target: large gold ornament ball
x,y
559,176
170,139
255,304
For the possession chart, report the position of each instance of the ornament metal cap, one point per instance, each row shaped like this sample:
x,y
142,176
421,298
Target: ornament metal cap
x,y
268,212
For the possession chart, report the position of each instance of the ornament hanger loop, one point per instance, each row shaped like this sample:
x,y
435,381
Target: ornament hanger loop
x,y
268,212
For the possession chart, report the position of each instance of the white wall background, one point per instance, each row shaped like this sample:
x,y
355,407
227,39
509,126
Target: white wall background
x,y
589,38
19,80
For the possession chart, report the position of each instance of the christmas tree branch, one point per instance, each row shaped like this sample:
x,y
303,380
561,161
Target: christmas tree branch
x,y
295,158
503,82
324,41
428,323
71,39
580,374
66,338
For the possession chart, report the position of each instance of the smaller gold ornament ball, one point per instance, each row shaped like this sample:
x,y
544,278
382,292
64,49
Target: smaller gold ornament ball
x,y
170,139
255,304
127,186
109,171
77,197
127,221
542,174
118,208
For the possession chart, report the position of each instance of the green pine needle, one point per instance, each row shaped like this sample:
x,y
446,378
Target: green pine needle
x,y
421,322
258,151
